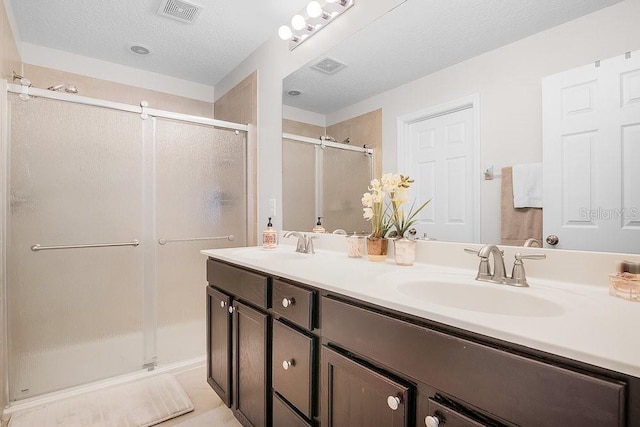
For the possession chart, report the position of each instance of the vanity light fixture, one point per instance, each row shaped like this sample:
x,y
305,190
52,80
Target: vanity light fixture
x,y
309,21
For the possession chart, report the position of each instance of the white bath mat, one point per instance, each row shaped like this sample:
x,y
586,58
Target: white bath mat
x,y
142,403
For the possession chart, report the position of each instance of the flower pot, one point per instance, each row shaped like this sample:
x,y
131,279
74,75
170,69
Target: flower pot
x,y
377,248
405,251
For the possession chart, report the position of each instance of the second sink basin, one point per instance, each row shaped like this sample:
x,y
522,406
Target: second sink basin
x,y
479,298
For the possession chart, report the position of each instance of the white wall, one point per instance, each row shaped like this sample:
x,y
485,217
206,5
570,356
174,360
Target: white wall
x,y
78,64
508,81
274,61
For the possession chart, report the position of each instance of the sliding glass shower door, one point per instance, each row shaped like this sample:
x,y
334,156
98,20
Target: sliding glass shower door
x,y
201,201
106,219
74,314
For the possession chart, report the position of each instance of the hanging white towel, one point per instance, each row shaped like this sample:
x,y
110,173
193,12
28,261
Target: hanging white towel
x,y
527,185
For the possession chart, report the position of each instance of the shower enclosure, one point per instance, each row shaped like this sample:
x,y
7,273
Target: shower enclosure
x,y
324,179
106,215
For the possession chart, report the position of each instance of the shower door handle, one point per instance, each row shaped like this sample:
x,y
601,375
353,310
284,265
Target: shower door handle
x,y
37,247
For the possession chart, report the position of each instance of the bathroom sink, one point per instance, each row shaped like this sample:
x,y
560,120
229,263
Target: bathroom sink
x,y
478,297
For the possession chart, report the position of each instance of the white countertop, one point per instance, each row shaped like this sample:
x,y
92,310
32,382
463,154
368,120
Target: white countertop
x,y
580,322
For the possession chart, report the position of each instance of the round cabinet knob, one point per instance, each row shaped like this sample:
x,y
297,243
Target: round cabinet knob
x,y
287,364
552,239
286,302
231,309
393,402
223,304
432,421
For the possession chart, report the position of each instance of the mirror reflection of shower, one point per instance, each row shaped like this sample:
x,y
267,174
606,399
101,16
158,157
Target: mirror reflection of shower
x,y
324,177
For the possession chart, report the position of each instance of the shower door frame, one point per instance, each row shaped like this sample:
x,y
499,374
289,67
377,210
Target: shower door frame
x,y
145,113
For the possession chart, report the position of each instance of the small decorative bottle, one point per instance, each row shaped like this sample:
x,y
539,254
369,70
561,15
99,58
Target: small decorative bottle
x,y
319,228
269,237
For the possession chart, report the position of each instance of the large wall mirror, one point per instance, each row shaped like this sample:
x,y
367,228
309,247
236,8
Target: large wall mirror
x,y
423,55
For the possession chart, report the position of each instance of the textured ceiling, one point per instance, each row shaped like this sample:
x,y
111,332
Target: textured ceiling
x,y
225,33
420,37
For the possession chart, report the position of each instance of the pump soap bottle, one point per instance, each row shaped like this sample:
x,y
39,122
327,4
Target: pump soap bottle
x,y
269,237
319,228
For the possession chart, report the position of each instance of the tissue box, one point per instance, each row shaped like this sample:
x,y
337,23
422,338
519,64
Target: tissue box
x,y
625,285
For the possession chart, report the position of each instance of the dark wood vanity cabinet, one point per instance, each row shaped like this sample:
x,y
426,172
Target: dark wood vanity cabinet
x,y
238,341
293,355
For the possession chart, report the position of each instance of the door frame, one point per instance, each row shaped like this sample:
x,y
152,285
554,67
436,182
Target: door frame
x,y
404,157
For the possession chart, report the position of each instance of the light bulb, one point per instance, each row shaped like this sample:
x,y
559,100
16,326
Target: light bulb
x,y
314,9
285,32
298,22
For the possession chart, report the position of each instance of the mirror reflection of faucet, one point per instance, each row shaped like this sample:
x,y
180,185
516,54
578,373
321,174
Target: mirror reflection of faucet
x,y
498,274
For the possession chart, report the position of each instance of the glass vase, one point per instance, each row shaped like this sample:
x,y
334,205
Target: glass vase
x,y
405,251
377,248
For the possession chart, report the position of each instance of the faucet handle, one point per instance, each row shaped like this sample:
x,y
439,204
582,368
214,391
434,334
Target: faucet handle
x,y
309,247
519,257
472,251
518,275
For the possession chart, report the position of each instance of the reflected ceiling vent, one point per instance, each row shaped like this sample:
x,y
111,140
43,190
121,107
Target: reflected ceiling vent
x,y
179,10
328,66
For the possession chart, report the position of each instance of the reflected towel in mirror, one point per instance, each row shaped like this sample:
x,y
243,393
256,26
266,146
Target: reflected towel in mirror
x,y
527,185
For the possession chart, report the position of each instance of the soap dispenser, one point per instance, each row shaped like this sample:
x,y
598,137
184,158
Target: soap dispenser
x,y
319,228
269,237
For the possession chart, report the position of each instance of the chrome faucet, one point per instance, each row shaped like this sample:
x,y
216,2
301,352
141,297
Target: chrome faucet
x,y
498,274
305,243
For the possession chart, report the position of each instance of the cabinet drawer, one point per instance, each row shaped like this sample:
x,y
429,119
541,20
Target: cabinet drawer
x,y
284,416
512,387
292,366
245,285
293,303
448,417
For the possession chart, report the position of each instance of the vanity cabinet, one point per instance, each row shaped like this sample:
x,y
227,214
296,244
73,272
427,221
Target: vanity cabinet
x,y
487,383
238,341
289,354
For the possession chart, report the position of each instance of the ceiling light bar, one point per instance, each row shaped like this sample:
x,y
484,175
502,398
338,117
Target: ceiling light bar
x,y
312,19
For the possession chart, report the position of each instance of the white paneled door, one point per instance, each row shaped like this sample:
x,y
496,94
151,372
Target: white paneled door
x,y
591,153
439,151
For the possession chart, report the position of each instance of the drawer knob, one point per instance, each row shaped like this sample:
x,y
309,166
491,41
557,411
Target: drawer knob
x,y
223,304
231,309
287,364
432,421
393,402
286,302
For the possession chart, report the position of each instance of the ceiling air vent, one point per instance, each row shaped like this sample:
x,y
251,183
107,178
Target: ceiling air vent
x,y
328,66
179,10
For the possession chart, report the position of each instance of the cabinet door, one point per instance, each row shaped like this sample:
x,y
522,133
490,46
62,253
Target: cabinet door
x,y
251,365
219,343
355,395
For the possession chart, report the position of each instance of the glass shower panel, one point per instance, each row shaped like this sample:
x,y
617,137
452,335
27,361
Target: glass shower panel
x,y
298,186
346,178
200,192
74,315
